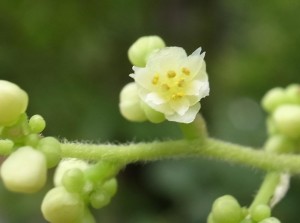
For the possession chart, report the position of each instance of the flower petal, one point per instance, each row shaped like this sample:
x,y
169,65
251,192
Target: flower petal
x,y
188,117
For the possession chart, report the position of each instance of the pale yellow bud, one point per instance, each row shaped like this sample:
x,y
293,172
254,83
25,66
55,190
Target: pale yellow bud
x,y
24,171
13,102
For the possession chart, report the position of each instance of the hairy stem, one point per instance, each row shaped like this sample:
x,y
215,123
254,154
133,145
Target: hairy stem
x,y
208,148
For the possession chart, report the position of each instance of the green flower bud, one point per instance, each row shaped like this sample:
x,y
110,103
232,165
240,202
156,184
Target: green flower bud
x,y
130,104
226,209
24,170
51,148
293,94
270,220
210,218
287,120
110,187
140,50
99,199
73,180
152,115
260,212
279,144
37,124
273,98
102,171
13,102
65,165
6,146
60,206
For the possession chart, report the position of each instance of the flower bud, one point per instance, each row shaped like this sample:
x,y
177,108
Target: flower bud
x,y
130,104
279,144
110,187
293,94
260,212
24,170
50,146
226,209
6,146
37,124
273,98
98,199
66,165
60,206
287,120
140,50
13,102
73,180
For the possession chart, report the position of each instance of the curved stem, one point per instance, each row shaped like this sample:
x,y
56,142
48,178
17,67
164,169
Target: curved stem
x,y
209,148
266,190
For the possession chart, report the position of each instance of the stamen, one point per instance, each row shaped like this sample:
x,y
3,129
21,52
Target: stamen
x,y
177,95
165,87
171,73
155,79
186,71
180,82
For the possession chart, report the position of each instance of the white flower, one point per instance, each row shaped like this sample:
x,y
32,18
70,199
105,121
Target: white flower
x,y
173,83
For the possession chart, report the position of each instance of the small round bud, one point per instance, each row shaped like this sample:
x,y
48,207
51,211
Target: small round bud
x,y
6,146
60,206
260,212
13,102
130,104
110,187
273,98
65,165
73,180
140,50
279,144
37,124
101,171
270,220
210,218
293,94
24,170
226,209
287,120
98,199
152,115
50,146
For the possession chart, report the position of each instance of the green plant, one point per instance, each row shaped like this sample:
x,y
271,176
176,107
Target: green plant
x,y
168,86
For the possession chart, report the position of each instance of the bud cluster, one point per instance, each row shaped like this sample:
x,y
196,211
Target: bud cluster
x,y
29,154
226,209
283,106
78,185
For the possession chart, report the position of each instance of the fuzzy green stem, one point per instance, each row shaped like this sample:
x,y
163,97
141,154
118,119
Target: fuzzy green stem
x,y
266,190
209,148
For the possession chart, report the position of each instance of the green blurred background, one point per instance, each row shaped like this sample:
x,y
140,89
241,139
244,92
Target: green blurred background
x,y
71,58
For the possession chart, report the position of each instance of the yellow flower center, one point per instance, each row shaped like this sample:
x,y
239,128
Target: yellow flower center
x,y
171,84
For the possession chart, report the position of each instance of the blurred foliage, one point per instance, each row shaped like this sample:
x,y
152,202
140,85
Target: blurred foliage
x,y
71,57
